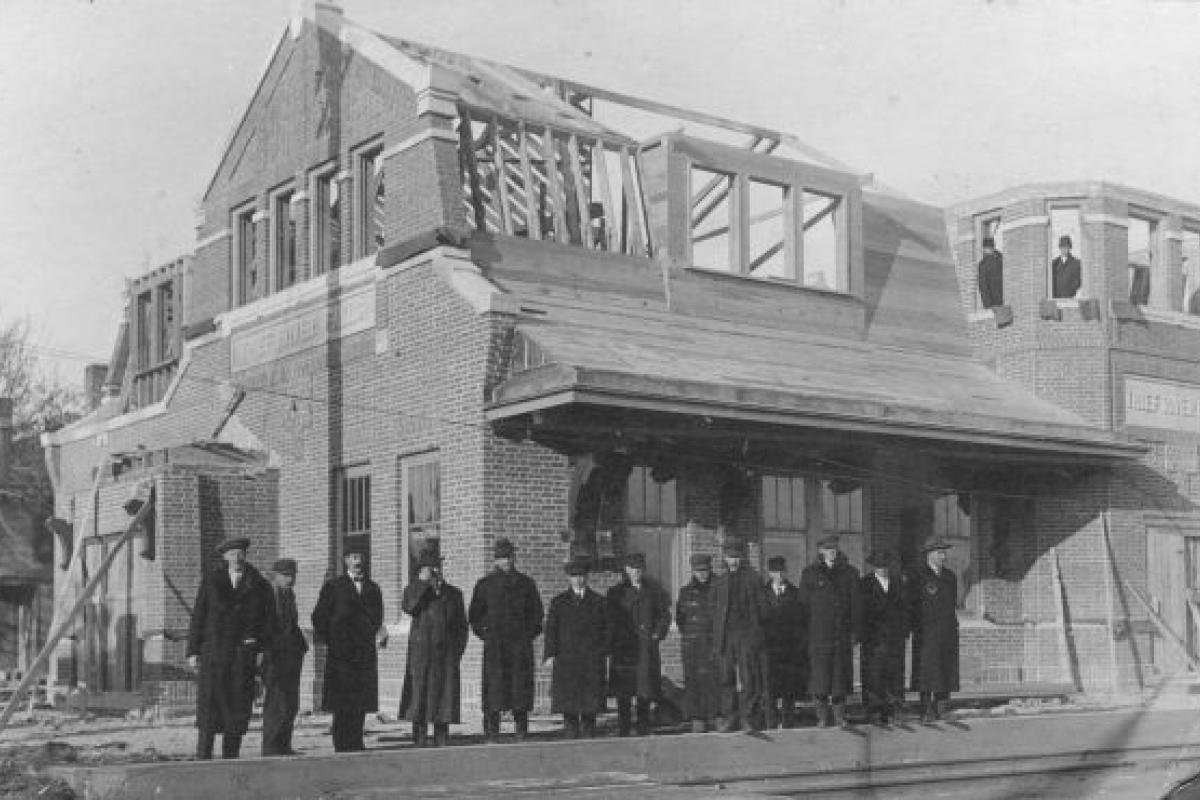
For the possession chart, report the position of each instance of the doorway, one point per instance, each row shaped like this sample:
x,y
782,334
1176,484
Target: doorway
x,y
1172,560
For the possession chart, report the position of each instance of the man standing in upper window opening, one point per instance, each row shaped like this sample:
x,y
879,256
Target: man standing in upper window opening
x,y
786,632
741,610
639,617
885,610
282,664
436,641
990,276
694,617
225,640
349,619
829,593
935,630
1065,271
576,642
506,613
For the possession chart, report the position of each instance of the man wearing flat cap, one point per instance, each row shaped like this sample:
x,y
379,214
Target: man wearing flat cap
x,y
436,641
575,645
740,601
787,644
282,662
639,617
225,642
694,617
934,613
829,593
506,614
349,618
885,610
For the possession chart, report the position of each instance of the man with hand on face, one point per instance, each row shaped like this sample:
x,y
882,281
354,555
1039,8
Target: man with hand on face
x,y
935,630
282,664
436,643
786,633
506,613
639,617
228,629
694,616
576,642
829,593
349,619
741,610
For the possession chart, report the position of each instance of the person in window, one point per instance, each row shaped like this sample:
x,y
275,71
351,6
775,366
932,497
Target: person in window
x,y
506,614
228,629
829,594
935,630
694,617
1139,279
787,635
1066,273
436,641
741,611
639,617
282,663
990,275
576,642
885,610
348,618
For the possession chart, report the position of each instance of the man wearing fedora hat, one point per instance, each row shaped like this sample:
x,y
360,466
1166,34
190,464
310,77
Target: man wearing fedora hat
x,y
506,614
282,662
348,617
935,630
228,630
990,275
829,593
885,612
1065,271
740,602
786,643
694,617
639,617
436,642
575,645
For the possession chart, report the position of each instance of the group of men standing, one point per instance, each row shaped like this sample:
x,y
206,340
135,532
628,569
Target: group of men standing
x,y
752,650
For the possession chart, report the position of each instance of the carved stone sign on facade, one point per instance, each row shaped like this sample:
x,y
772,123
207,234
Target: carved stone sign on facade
x,y
1162,404
263,343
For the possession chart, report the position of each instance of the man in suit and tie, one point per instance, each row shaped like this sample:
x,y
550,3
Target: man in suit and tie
x,y
282,663
1065,271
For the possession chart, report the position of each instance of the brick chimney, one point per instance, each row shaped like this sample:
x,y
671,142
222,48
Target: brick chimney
x,y
6,437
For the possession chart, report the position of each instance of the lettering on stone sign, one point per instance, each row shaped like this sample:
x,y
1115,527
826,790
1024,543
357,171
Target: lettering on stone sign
x,y
1162,404
300,330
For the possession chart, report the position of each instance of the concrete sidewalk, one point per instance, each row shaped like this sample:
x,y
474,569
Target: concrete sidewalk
x,y
682,766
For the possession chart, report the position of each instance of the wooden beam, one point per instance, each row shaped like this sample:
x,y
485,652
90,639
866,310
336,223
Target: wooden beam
x,y
501,178
554,186
766,256
581,193
636,244
823,213
739,235
1168,634
533,214
466,157
1066,657
600,174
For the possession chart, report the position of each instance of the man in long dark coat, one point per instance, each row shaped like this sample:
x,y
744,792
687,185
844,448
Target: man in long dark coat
x,y
282,663
787,642
740,602
1066,271
935,630
639,617
990,275
506,613
885,618
436,641
349,618
225,640
694,618
829,593
576,642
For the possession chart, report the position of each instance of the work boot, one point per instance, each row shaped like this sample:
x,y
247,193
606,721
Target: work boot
x,y
725,724
770,718
571,726
788,718
645,725
204,745
624,716
420,733
441,734
521,720
941,708
699,726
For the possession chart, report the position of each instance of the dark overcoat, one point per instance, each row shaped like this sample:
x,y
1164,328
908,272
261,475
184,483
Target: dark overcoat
x,y
787,642
744,593
506,613
701,678
283,660
1066,276
638,619
348,623
885,620
935,630
228,630
990,278
829,595
576,638
436,641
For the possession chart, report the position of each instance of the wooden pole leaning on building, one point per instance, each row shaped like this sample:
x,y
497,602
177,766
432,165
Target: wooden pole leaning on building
x,y
1163,628
1066,657
43,658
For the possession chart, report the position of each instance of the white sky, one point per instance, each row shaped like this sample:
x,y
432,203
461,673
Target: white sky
x,y
113,112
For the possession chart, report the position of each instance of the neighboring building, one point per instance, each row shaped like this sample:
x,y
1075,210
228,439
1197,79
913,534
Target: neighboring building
x,y
435,300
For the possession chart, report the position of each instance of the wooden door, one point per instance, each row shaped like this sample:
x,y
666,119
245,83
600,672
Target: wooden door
x,y
1167,568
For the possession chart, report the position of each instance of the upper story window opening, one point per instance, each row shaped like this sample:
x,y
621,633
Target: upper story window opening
x,y
245,249
284,218
1143,256
989,250
327,222
421,479
1065,278
648,501
1190,266
169,302
353,509
372,197
144,322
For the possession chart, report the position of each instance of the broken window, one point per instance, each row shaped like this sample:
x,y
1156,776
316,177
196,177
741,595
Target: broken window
x,y
285,222
327,225
246,253
421,477
372,200
1142,249
989,277
354,511
822,244
1065,277
712,215
1190,303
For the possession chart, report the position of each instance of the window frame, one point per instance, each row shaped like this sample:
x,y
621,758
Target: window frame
x,y
1188,226
406,465
341,476
969,602
1154,248
321,181
983,224
244,227
1078,249
364,156
283,211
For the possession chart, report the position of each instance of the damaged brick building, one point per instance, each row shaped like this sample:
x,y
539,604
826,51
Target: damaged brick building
x,y
436,299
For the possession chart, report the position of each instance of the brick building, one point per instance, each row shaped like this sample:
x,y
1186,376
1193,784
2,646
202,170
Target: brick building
x,y
435,299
